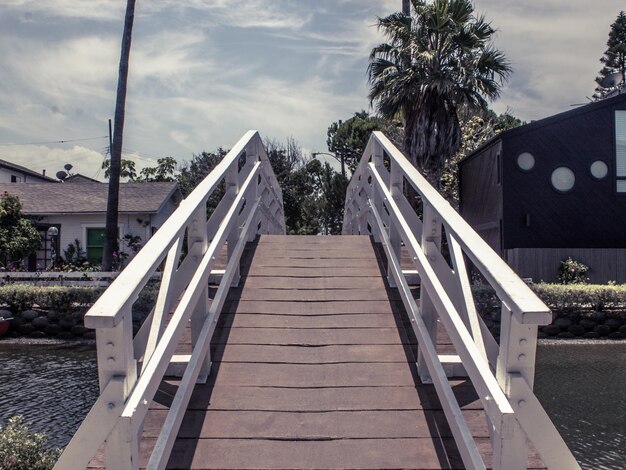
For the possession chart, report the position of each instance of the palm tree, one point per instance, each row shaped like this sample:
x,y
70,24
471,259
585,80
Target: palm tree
x,y
435,62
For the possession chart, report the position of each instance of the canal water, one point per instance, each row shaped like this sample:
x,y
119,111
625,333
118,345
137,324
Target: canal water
x,y
581,385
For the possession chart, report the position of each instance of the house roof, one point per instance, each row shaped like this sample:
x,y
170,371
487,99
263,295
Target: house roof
x,y
572,113
88,198
78,178
28,171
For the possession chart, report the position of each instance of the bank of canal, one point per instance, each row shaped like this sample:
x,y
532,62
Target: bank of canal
x,y
581,385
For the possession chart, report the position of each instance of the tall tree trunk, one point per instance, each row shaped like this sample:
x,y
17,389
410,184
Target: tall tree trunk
x,y
406,7
111,232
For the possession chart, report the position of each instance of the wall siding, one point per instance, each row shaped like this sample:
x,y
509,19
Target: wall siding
x,y
542,264
480,194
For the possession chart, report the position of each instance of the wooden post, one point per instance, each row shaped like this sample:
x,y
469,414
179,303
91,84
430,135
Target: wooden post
x,y
518,345
431,243
198,244
232,191
116,359
395,189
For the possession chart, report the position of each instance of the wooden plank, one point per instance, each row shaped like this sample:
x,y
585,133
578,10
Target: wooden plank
x,y
310,337
302,240
387,424
258,320
325,283
232,397
416,453
307,355
342,295
313,375
311,307
318,263
307,271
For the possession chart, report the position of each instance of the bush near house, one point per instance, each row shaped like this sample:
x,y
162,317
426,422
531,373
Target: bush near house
x,y
579,310
58,311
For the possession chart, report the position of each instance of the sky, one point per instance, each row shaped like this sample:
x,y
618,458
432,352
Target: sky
x,y
203,72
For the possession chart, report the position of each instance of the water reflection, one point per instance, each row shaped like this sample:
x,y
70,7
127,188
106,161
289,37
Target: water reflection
x,y
53,387
581,386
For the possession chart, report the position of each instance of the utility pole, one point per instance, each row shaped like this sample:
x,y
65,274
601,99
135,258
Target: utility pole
x,y
111,231
406,7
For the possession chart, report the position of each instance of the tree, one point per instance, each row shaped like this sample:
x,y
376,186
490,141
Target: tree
x,y
110,238
435,62
194,171
164,172
614,59
18,237
347,139
127,169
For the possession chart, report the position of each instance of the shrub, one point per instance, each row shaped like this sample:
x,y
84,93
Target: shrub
x,y
567,297
558,297
22,450
573,272
18,297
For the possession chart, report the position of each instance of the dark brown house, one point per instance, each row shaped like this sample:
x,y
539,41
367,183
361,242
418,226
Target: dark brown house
x,y
551,189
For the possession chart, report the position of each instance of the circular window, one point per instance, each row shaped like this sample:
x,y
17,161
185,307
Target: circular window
x,y
526,161
563,179
599,170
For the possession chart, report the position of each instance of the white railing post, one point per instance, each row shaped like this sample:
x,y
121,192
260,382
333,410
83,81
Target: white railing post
x,y
198,244
518,345
232,190
377,199
395,189
116,359
431,243
252,194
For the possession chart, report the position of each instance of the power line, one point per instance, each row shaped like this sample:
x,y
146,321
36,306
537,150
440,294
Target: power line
x,y
58,141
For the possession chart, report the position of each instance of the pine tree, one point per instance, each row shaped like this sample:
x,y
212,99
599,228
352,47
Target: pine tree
x,y
614,59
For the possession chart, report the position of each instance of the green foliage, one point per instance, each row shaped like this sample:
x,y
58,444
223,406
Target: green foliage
x,y
433,63
614,58
165,171
23,450
558,297
347,139
193,172
19,297
567,297
127,169
573,272
18,237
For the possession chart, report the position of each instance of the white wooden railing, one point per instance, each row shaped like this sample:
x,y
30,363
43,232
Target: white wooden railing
x,y
130,370
502,374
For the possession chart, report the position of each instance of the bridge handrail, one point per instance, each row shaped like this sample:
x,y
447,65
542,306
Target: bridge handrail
x,y
131,369
502,374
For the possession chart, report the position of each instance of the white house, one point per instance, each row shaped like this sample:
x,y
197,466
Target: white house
x,y
78,211
12,173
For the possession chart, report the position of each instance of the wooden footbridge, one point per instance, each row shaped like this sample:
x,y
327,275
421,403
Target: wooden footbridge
x,y
360,351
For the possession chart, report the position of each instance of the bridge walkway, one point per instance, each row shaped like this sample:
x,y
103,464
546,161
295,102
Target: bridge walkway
x,y
314,367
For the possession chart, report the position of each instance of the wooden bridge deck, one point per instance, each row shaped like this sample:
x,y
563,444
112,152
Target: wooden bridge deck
x,y
313,367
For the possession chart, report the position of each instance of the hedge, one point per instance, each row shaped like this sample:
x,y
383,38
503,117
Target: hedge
x,y
559,297
20,297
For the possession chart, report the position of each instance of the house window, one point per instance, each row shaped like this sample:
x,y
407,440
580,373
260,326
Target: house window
x,y
95,244
563,179
620,151
16,179
526,161
599,169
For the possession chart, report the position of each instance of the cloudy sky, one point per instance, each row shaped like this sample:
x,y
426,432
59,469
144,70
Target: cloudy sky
x,y
205,71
